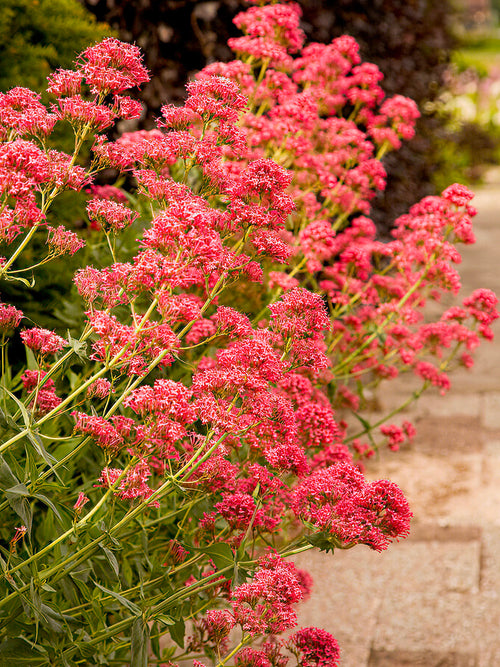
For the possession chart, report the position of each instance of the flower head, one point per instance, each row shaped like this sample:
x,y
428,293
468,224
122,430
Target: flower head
x,y
113,66
42,340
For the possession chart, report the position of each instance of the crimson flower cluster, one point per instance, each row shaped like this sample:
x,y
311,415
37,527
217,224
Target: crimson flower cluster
x,y
226,352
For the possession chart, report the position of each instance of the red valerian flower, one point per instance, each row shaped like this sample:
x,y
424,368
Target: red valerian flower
x,y
42,340
113,66
314,647
65,83
103,431
133,483
62,241
10,317
458,194
80,502
215,98
338,501
100,388
22,113
110,214
263,606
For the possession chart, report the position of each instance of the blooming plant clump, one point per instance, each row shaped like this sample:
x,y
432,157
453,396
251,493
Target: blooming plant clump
x,y
157,471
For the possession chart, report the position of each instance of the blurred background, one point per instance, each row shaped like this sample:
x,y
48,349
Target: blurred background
x,y
445,55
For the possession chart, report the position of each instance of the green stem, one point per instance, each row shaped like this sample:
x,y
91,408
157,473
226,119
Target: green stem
x,y
72,530
167,487
244,641
380,327
414,397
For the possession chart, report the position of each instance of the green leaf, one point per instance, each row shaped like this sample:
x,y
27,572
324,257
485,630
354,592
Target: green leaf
x,y
177,632
322,542
111,559
17,499
155,640
48,588
50,618
18,490
221,554
30,360
7,477
131,606
140,643
23,509
48,502
31,469
7,419
164,619
240,575
21,406
19,651
37,443
81,574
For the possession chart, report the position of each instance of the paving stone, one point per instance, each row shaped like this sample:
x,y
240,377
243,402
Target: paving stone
x,y
421,659
424,621
489,658
345,598
490,566
454,403
492,449
480,377
443,436
485,621
480,503
433,567
433,485
491,410
435,533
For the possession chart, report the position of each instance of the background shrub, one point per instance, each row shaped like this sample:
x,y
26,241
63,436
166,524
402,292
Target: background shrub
x,y
36,36
410,42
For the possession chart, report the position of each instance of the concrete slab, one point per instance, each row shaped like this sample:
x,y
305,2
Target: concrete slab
x,y
491,410
433,567
345,599
421,659
490,567
453,404
432,484
448,435
424,621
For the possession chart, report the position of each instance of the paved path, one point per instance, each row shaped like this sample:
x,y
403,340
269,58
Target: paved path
x,y
432,600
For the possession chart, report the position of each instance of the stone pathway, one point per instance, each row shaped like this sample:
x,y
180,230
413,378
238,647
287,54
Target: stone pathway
x,y
432,600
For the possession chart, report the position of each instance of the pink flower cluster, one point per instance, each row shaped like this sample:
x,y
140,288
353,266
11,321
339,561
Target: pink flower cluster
x,y
256,309
10,317
45,398
110,214
339,502
31,174
42,341
264,606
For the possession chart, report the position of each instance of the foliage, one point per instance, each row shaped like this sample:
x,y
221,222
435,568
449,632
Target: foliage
x,y
36,36
470,107
158,468
410,42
